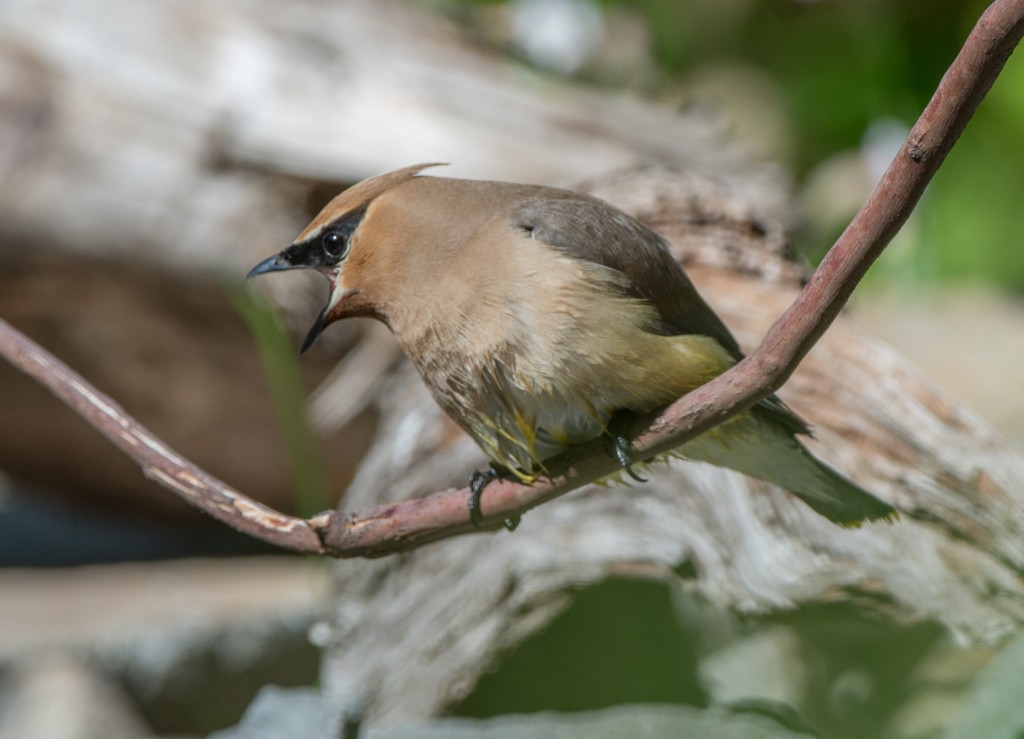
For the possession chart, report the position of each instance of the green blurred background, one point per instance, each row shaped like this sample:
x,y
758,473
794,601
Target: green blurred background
x,y
823,88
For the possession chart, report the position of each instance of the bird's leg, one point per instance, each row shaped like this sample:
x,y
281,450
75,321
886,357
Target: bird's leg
x,y
621,447
477,482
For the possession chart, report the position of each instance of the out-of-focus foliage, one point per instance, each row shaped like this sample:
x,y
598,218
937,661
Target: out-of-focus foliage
x,y
281,364
817,78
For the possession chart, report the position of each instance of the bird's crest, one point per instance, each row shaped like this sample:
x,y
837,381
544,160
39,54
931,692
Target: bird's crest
x,y
359,196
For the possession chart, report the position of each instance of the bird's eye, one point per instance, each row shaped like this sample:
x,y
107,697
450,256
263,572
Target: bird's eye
x,y
335,244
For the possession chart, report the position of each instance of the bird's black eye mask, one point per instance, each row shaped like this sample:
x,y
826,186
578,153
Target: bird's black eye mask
x,y
323,252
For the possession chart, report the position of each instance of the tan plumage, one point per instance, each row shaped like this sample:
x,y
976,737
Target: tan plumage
x,y
535,314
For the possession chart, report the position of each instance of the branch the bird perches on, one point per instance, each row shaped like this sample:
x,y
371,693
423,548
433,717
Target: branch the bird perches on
x,y
408,524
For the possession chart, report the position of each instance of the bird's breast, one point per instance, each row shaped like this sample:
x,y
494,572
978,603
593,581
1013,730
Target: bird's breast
x,y
531,350
551,378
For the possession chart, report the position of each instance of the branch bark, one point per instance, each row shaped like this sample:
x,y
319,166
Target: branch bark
x,y
408,524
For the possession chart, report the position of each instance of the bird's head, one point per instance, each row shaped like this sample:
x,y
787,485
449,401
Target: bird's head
x,y
334,244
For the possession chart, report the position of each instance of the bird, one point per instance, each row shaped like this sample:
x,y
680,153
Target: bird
x,y
537,317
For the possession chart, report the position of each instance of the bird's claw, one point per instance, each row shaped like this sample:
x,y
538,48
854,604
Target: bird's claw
x,y
477,482
624,454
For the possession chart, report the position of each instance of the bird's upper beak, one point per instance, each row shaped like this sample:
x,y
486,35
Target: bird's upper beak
x,y
292,258
277,263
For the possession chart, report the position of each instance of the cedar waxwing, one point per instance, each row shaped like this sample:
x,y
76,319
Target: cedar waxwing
x,y
535,314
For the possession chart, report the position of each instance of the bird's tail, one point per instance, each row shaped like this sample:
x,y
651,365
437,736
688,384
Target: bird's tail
x,y
758,447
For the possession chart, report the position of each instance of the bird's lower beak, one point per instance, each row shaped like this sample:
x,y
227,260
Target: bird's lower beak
x,y
337,307
277,263
314,331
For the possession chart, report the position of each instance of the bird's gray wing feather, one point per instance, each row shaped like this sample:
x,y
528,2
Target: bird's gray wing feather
x,y
590,229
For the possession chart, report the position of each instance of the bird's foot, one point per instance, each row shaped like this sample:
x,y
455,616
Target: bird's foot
x,y
621,447
477,482
624,454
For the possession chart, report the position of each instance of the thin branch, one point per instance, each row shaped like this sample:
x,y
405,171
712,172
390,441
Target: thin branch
x,y
408,524
158,461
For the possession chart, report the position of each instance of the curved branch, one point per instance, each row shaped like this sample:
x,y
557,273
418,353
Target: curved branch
x,y
158,461
407,524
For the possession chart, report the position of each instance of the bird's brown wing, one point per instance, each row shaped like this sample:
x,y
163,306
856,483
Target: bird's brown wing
x,y
590,229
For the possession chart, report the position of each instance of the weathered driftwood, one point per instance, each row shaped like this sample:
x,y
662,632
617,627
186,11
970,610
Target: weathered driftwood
x,y
175,131
147,153
451,608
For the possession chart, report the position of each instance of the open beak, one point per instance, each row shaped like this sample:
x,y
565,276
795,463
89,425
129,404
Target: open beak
x,y
279,263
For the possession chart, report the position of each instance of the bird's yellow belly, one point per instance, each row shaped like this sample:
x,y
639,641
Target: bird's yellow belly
x,y
539,412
